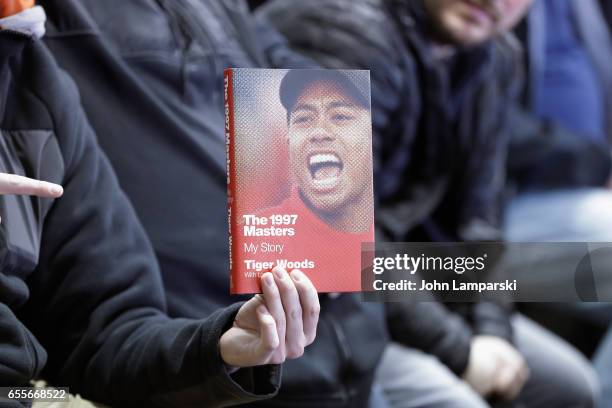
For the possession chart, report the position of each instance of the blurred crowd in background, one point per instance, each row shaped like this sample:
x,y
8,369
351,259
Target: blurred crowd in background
x,y
492,121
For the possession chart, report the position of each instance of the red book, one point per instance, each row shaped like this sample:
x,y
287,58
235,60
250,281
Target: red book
x,y
299,175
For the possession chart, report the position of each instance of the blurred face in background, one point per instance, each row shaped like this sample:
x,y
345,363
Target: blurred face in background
x,y
471,22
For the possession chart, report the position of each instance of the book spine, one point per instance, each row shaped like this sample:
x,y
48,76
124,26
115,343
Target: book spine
x,y
231,175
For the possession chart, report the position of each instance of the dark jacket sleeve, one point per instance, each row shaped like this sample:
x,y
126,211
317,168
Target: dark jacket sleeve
x,y
21,357
276,50
264,44
485,179
489,315
97,304
545,156
430,327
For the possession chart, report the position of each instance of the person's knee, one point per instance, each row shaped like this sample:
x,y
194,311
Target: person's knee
x,y
588,391
457,395
585,214
578,388
560,375
413,379
581,395
562,389
466,397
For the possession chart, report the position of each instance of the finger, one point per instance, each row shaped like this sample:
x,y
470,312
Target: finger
x,y
511,378
274,304
515,387
269,335
294,336
517,365
519,383
249,308
14,184
309,300
504,379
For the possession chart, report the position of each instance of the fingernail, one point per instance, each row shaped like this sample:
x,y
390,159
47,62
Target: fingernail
x,y
268,279
296,275
56,189
280,274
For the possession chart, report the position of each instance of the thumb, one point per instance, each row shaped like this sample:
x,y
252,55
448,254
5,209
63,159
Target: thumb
x,y
269,341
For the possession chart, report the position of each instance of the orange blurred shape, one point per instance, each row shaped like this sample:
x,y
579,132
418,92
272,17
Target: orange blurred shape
x,y
10,7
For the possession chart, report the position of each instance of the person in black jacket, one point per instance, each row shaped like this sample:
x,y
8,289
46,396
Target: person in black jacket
x,y
156,69
440,97
81,299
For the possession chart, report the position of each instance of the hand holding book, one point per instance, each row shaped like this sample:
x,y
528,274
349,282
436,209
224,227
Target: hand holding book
x,y
276,325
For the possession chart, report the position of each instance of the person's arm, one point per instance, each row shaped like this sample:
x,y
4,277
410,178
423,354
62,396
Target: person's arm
x,y
432,328
19,360
275,48
536,144
495,367
483,181
96,299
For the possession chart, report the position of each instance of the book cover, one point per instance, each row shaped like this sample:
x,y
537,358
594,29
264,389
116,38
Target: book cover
x,y
299,175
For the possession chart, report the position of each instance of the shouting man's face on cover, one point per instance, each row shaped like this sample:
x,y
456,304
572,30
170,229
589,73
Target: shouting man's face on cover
x,y
330,144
